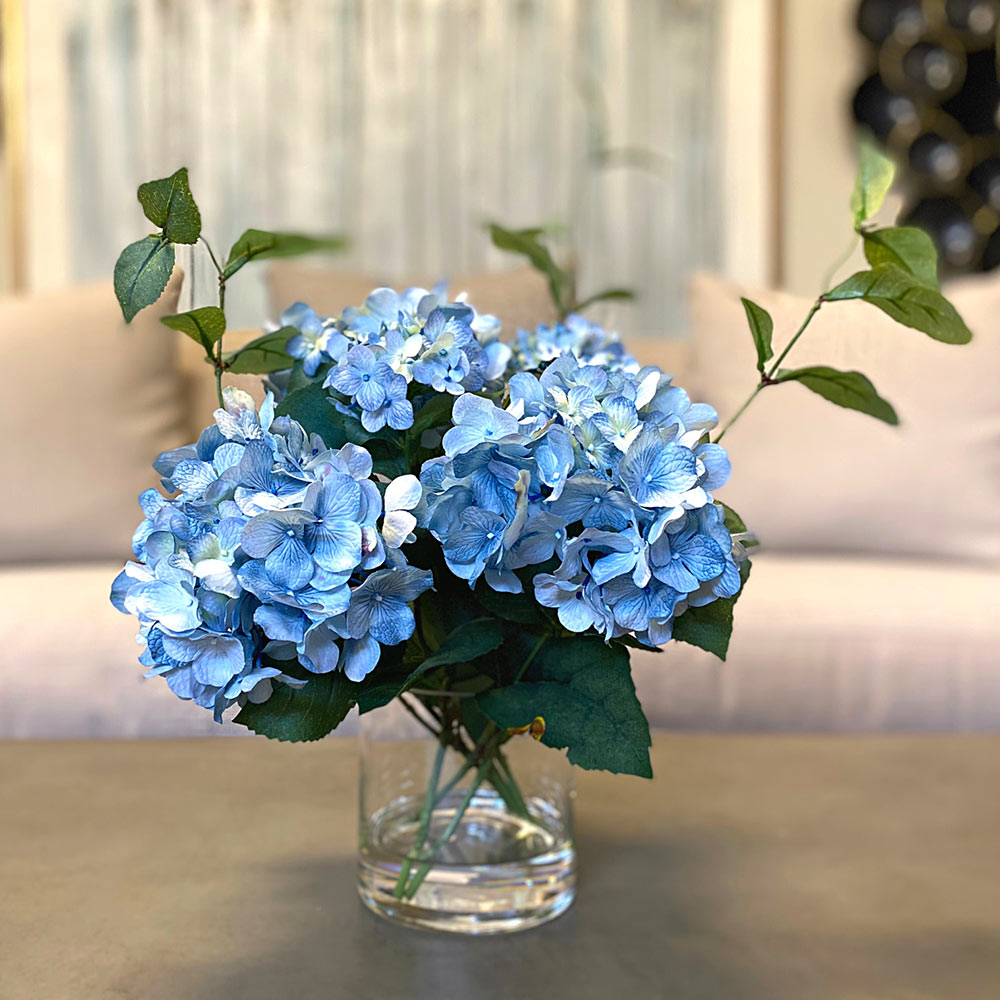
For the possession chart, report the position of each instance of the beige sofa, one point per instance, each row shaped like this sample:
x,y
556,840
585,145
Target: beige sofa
x,y
857,617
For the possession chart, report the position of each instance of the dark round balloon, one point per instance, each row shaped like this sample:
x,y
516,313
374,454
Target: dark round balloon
x,y
948,224
880,20
881,109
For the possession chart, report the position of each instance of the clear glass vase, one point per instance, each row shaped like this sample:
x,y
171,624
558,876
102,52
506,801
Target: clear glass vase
x,y
462,828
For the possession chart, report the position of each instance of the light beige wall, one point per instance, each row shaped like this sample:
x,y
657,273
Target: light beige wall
x,y
823,61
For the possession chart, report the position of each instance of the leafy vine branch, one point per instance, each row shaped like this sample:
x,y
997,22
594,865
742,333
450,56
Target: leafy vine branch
x,y
144,268
902,281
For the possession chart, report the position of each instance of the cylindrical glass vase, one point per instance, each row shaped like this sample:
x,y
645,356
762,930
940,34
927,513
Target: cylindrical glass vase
x,y
463,828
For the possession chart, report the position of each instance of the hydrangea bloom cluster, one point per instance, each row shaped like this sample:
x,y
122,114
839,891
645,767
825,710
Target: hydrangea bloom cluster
x,y
605,470
376,351
275,549
575,335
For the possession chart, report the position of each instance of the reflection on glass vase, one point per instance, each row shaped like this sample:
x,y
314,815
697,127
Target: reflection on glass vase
x,y
463,827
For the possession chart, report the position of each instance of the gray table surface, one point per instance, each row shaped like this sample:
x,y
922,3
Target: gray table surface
x,y
751,868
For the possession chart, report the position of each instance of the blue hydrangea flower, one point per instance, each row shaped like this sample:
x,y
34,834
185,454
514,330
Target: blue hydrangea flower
x,y
258,558
566,464
380,607
592,464
318,340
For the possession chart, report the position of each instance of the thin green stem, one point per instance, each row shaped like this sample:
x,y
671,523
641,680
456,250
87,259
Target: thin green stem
x,y
426,811
798,333
767,378
428,853
416,715
449,786
839,262
216,360
211,254
531,656
739,413
508,789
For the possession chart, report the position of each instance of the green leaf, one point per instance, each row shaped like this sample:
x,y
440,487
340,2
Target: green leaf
x,y
899,295
907,247
263,355
257,244
609,294
169,204
302,714
710,627
386,681
520,608
851,390
875,174
735,524
141,273
467,643
436,412
761,329
526,242
312,408
205,325
583,690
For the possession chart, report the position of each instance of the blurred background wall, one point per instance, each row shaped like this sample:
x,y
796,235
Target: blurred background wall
x,y
405,124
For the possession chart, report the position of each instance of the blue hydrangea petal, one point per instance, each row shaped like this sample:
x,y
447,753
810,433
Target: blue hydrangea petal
x,y
370,394
289,564
391,621
335,544
702,557
320,652
279,622
360,657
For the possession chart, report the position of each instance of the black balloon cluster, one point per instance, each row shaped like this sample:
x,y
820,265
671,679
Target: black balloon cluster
x,y
932,97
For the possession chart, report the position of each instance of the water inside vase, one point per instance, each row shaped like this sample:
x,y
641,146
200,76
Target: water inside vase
x,y
497,872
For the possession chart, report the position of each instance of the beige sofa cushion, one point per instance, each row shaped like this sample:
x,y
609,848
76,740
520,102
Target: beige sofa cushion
x,y
809,476
841,643
88,403
517,298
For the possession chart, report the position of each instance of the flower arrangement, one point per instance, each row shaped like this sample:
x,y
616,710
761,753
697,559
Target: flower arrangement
x,y
418,502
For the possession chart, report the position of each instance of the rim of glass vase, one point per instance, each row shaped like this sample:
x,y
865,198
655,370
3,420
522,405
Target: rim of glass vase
x,y
432,693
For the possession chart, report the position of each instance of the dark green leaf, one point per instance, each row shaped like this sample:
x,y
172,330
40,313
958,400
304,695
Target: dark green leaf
x,y
312,408
583,690
436,412
467,643
298,377
520,608
848,389
257,244
734,523
263,355
387,679
710,627
526,242
875,174
609,294
761,329
205,325
392,467
141,274
169,204
633,643
907,247
900,295
301,714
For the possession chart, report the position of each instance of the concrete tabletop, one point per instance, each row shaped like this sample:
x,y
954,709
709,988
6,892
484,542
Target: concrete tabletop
x,y
751,868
